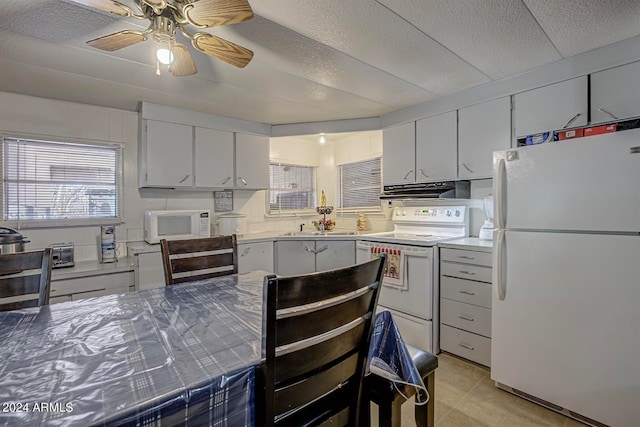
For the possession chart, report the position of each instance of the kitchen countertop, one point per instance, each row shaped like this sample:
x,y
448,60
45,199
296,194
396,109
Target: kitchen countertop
x,y
92,268
471,243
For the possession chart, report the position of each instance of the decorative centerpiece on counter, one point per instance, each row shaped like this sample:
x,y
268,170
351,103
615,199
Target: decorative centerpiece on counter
x,y
324,224
361,224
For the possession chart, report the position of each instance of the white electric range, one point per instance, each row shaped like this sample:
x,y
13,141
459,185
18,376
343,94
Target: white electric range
x,y
411,281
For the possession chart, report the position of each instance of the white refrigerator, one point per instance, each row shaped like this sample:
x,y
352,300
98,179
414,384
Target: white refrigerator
x,y
566,304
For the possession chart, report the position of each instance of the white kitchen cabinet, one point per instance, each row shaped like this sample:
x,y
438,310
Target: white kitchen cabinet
x,y
482,129
148,270
166,155
76,288
186,157
252,162
213,165
436,148
615,93
255,256
294,257
338,253
465,303
398,147
551,107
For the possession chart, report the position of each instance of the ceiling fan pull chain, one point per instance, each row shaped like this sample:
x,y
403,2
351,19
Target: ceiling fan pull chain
x,y
157,67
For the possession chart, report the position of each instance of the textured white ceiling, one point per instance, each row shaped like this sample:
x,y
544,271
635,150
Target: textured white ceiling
x,y
313,60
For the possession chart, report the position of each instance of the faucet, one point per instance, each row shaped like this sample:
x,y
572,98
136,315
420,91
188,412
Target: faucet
x,y
301,226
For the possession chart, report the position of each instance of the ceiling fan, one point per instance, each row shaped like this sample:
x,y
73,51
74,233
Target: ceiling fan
x,y
166,17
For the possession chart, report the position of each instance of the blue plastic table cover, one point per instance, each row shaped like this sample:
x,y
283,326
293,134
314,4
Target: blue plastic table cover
x,y
180,355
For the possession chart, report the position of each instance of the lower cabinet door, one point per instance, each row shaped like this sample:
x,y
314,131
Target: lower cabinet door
x,y
335,254
295,257
255,256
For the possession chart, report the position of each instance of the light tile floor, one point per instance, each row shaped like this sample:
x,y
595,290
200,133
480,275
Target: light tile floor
x,y
467,397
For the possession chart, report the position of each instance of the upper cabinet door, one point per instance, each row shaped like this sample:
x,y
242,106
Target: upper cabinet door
x,y
551,107
252,162
615,93
482,129
398,148
213,158
168,153
437,148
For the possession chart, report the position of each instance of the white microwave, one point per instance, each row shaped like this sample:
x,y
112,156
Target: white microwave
x,y
176,225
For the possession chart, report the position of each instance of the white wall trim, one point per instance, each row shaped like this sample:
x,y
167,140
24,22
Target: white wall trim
x,y
333,126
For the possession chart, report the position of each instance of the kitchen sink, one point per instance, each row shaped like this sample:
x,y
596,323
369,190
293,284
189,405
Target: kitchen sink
x,y
320,233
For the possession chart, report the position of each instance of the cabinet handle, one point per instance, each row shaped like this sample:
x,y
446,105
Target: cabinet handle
x,y
570,122
467,168
608,113
407,174
467,292
246,251
466,257
467,346
242,180
309,250
471,273
424,174
322,249
226,180
184,179
469,319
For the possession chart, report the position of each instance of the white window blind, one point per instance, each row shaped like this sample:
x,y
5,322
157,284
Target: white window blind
x,y
360,184
292,187
60,183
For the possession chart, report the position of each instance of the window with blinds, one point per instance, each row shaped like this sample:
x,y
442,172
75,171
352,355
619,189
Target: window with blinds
x,y
292,187
360,184
61,183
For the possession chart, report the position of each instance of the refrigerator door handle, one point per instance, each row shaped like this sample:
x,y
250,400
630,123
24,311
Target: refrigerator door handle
x,y
500,194
499,265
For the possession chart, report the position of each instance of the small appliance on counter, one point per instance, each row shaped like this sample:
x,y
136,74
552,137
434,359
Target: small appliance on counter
x,y
11,241
62,255
486,231
176,225
231,223
108,251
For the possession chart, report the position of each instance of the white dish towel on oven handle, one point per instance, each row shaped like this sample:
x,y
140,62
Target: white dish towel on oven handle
x,y
394,272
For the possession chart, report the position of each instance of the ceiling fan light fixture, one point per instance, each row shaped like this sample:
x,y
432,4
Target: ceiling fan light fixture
x,y
164,55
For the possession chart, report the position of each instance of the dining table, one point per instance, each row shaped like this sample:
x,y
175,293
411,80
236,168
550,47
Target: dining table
x,y
184,354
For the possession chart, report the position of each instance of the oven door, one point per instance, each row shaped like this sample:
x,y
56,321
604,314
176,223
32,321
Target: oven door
x,y
409,287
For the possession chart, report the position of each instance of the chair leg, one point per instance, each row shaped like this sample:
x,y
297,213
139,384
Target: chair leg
x,y
390,413
425,414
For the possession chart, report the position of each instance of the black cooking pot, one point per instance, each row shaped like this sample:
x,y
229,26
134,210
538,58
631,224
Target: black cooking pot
x,y
11,241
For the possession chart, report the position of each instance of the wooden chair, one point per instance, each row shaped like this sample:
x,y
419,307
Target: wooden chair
x,y
25,279
197,259
318,328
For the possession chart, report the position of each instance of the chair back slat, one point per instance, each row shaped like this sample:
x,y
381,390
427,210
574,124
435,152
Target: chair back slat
x,y
320,321
311,288
318,327
25,279
313,387
196,259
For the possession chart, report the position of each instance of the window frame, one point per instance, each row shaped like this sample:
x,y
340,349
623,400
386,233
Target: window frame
x,y
370,209
58,222
291,212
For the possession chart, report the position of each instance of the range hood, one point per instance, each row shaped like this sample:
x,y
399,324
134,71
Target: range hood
x,y
428,190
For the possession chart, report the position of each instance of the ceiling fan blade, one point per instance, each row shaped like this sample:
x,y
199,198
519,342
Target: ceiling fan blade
x,y
110,6
216,13
222,49
116,41
182,64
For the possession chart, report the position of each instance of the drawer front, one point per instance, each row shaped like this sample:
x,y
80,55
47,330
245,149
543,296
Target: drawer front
x,y
466,316
466,271
91,283
467,257
465,344
469,291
